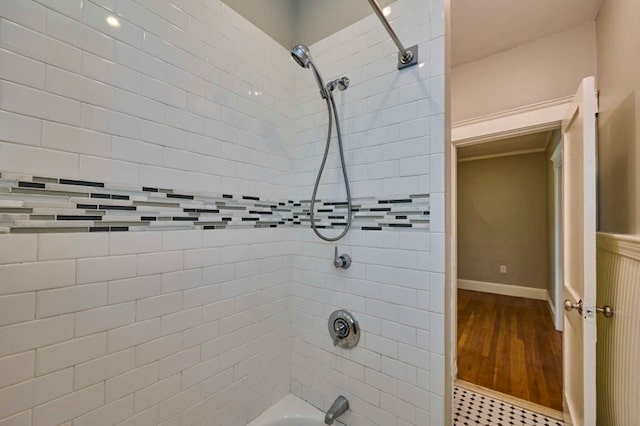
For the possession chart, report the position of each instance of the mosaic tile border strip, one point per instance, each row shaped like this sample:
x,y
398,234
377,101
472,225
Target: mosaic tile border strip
x,y
472,408
30,204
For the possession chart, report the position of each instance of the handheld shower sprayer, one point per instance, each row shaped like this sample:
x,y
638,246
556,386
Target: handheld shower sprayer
x,y
302,56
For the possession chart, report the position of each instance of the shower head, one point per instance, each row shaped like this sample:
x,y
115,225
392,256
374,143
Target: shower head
x,y
302,56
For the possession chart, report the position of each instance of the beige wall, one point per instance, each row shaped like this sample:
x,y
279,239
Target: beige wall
x,y
618,44
502,220
546,69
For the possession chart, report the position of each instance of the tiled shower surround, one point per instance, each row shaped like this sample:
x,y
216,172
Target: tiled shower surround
x,y
180,325
393,124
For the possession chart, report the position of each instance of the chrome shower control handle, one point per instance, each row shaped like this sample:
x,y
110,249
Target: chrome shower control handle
x,y
340,331
343,329
343,261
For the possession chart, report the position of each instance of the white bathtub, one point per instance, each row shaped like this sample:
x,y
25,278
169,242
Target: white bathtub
x,y
290,411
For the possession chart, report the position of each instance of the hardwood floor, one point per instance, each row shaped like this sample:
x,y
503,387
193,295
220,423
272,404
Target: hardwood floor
x,y
509,344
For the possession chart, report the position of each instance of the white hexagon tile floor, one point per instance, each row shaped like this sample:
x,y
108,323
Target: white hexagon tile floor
x,y
474,409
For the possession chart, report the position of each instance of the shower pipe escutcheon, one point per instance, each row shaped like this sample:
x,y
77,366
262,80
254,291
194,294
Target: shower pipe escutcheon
x,y
407,57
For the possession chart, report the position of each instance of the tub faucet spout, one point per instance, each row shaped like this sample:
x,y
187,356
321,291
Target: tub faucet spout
x,y
339,406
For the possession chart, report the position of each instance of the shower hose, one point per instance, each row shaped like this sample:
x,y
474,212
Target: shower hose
x,y
331,104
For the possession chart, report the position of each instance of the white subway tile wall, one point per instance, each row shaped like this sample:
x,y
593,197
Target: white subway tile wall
x,y
393,124
86,96
212,327
126,328
142,331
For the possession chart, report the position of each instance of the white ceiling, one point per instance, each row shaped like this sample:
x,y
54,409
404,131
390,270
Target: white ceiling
x,y
481,28
509,146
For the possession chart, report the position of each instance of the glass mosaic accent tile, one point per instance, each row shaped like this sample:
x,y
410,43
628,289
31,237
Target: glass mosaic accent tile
x,y
474,409
44,204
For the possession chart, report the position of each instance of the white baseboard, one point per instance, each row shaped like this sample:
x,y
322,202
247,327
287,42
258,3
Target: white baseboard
x,y
504,289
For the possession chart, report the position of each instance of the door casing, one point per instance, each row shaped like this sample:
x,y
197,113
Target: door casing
x,y
517,122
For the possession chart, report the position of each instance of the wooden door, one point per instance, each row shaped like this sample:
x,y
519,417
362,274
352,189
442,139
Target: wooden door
x,y
579,235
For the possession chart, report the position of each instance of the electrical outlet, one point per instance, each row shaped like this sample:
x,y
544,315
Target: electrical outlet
x,y
503,269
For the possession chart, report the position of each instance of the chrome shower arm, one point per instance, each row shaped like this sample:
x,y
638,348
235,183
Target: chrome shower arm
x,y
376,8
406,56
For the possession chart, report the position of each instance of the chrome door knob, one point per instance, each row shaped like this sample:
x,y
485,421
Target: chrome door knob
x,y
568,306
606,310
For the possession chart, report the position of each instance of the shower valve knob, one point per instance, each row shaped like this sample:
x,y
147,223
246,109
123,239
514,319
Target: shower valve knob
x,y
343,261
344,329
341,328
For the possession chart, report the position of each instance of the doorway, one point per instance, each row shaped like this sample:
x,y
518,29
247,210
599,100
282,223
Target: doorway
x,y
536,119
578,120
507,340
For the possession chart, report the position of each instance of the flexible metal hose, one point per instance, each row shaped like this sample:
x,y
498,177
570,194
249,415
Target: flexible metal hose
x,y
331,104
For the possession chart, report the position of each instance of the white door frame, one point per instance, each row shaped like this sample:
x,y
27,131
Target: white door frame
x,y
558,315
521,121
